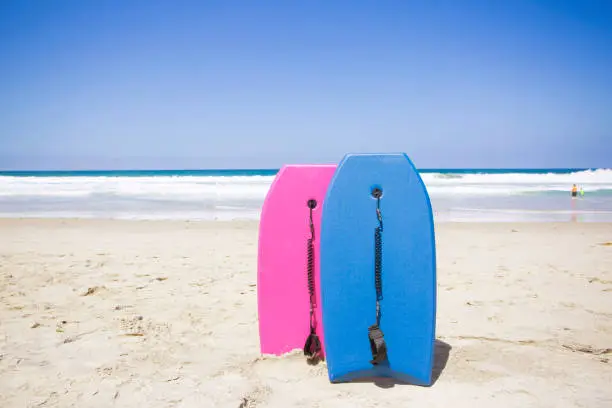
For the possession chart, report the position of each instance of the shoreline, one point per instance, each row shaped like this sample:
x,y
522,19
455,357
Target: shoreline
x,y
256,221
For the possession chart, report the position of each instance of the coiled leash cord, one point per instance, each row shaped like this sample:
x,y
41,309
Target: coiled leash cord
x,y
375,334
313,344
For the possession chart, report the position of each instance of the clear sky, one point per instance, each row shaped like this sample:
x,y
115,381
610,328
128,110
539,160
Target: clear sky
x,y
234,84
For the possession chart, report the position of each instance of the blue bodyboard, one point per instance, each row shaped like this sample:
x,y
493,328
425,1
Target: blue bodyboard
x,y
347,260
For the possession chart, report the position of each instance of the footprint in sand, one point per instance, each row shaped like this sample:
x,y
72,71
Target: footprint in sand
x,y
255,397
137,326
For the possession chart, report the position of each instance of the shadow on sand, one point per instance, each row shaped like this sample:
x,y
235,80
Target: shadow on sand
x,y
441,354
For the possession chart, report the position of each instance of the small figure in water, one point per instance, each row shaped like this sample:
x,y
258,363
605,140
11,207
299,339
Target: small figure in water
x,y
574,191
581,192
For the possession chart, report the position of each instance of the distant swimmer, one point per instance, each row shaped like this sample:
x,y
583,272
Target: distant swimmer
x,y
574,191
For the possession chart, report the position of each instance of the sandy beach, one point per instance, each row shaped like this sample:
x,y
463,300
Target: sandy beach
x,y
100,313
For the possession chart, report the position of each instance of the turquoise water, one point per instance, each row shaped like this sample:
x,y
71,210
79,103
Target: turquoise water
x,y
143,173
260,172
456,194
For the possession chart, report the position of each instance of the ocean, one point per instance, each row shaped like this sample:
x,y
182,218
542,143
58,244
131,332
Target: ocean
x,y
457,195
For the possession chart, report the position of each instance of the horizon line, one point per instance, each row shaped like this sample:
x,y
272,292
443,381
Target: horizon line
x,y
426,169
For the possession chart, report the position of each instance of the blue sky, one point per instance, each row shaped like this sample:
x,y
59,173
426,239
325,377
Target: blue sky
x,y
213,84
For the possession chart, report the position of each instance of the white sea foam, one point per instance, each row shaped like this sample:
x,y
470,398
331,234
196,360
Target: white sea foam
x,y
256,187
586,177
516,183
161,187
227,197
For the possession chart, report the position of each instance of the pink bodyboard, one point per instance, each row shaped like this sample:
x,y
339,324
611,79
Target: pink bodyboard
x,y
282,281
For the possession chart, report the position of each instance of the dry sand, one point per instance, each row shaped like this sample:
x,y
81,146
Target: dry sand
x,y
164,314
